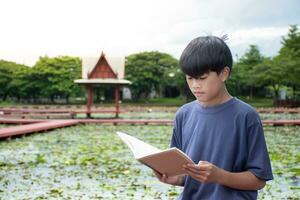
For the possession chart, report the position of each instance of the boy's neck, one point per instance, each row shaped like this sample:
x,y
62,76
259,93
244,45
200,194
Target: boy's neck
x,y
221,98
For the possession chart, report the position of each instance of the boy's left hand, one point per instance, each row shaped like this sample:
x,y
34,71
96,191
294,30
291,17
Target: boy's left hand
x,y
204,172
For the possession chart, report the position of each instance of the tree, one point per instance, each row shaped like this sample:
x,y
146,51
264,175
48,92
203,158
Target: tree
x,y
245,66
5,78
291,42
175,78
283,69
233,83
7,74
148,71
269,73
289,57
56,76
49,78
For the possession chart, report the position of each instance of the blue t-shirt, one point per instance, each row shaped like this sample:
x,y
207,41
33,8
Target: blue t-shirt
x,y
230,136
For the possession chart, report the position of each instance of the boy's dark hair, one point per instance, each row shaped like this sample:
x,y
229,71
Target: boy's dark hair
x,y
205,54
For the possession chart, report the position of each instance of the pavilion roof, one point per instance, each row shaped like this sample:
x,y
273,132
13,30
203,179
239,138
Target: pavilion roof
x,y
117,64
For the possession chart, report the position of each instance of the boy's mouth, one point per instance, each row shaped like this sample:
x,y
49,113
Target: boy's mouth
x,y
198,93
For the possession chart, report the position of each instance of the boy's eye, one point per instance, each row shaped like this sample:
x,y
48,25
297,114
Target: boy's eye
x,y
202,77
197,78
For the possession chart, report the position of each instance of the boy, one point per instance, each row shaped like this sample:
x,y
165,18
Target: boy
x,y
220,133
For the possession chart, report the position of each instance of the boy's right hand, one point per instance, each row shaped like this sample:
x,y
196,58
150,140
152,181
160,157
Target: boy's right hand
x,y
173,180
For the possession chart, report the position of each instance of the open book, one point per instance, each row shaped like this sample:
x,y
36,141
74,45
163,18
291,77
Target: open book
x,y
169,161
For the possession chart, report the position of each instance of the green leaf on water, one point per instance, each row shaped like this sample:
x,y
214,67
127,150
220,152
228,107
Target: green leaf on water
x,y
295,171
89,161
295,188
40,159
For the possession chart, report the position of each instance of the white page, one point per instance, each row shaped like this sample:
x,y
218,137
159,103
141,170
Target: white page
x,y
138,147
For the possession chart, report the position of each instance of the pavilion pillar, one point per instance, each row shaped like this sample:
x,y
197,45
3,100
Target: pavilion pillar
x,y
117,97
89,104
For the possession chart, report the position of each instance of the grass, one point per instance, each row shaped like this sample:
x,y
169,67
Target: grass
x,y
258,102
156,102
255,102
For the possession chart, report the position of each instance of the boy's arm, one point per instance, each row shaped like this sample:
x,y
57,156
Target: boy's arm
x,y
208,173
174,180
242,180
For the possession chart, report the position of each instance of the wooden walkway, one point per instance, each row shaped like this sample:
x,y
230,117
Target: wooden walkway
x,y
295,122
129,121
71,113
35,127
170,122
50,113
279,110
19,121
31,126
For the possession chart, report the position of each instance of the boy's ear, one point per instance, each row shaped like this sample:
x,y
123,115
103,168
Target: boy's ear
x,y
225,74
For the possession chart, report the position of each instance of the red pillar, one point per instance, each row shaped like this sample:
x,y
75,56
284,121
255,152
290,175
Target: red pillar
x,y
117,90
89,100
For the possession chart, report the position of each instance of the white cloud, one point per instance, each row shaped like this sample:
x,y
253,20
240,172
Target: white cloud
x,y
34,28
257,34
268,39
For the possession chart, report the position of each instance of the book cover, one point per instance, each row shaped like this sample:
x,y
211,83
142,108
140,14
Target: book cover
x,y
169,161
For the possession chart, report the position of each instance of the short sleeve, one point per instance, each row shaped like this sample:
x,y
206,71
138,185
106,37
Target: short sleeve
x,y
176,140
176,136
258,161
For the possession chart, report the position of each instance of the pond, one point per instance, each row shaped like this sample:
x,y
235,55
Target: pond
x,y
171,115
91,162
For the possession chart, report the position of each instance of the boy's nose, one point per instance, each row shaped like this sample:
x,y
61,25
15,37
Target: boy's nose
x,y
195,83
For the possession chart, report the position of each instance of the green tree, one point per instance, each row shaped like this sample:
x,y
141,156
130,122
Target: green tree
x,y
148,71
55,76
7,74
269,73
233,83
174,77
283,69
25,84
291,42
245,68
5,78
289,58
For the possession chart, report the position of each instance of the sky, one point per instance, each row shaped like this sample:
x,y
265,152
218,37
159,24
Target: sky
x,y
85,28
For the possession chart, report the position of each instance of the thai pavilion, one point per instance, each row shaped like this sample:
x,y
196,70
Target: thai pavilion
x,y
103,71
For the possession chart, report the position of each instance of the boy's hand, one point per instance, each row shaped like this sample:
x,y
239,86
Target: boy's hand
x,y
204,172
174,180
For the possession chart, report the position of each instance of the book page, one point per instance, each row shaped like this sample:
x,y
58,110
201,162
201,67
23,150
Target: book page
x,y
139,148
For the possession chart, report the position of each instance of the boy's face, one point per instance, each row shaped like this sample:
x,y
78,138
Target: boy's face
x,y
208,88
